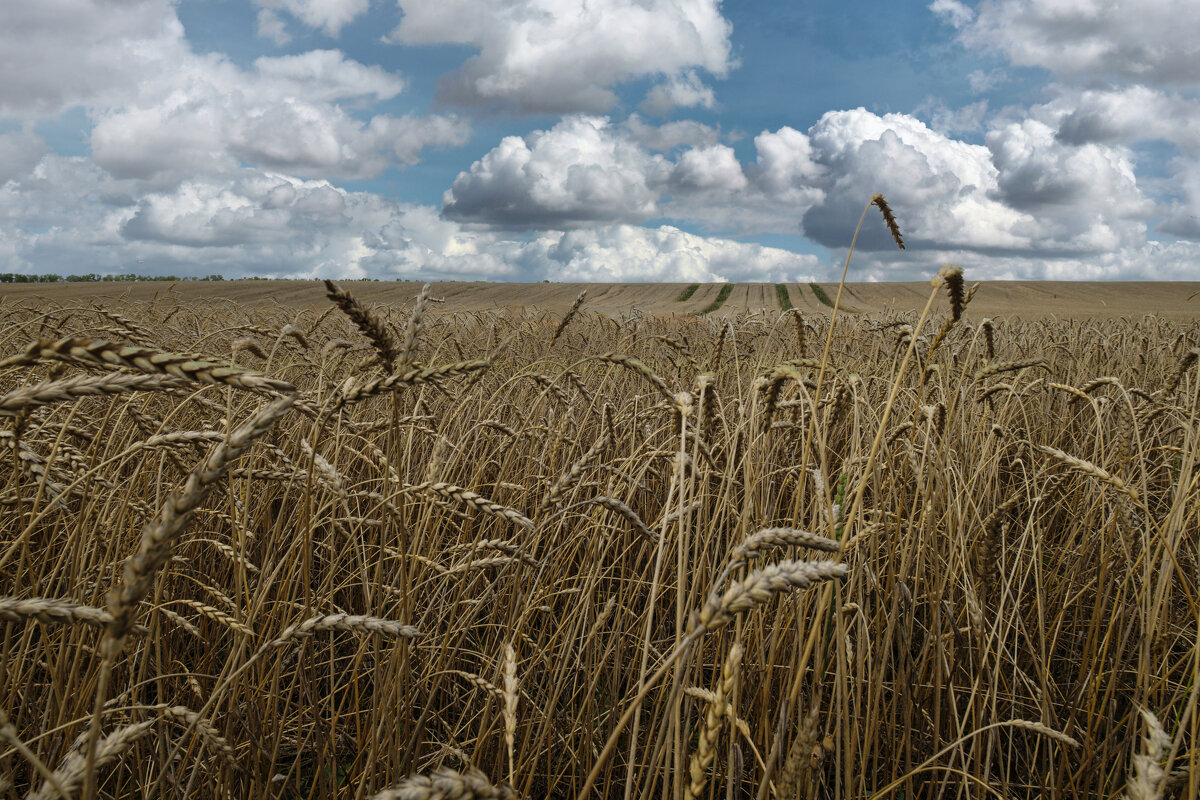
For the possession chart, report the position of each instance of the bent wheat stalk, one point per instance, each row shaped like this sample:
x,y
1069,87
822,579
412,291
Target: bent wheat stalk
x,y
757,588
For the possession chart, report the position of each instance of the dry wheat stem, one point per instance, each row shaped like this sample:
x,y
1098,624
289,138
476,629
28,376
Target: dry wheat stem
x,y
1036,727
757,588
155,548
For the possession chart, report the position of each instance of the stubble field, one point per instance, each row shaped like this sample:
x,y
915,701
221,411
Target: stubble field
x,y
373,545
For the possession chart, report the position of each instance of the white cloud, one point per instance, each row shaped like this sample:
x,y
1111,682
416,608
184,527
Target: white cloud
x,y
669,135
956,13
1149,41
1183,218
322,75
981,81
1026,191
162,112
67,212
567,55
1175,261
268,224
209,116
581,171
271,26
679,91
20,151
949,121
709,167
630,253
1126,115
57,53
1083,197
328,15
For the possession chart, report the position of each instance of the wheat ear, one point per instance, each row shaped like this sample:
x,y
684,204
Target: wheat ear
x,y
413,329
1088,468
953,276
343,622
103,353
759,542
52,609
889,219
68,389
566,320
613,504
511,696
759,587
571,476
446,784
477,501
78,764
1146,775
362,316
354,390
706,749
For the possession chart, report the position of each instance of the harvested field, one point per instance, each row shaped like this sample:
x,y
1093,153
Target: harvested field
x,y
470,550
1024,299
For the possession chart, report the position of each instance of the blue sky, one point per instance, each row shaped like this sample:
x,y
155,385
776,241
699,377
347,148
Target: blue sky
x,y
599,140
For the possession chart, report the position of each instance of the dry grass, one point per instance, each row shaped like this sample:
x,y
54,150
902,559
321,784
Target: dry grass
x,y
411,552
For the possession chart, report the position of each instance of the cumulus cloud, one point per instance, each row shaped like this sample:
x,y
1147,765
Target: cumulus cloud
x,y
586,170
328,15
1127,114
1150,260
162,112
1025,191
57,53
581,171
20,151
1147,41
1083,197
630,253
269,224
567,55
209,116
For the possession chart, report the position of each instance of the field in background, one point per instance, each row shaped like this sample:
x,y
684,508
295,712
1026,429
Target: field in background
x,y
467,551
1027,299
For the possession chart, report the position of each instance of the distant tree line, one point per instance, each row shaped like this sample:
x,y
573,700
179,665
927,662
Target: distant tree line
x,y
21,277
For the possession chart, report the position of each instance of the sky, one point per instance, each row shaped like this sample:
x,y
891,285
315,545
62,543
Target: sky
x,y
600,140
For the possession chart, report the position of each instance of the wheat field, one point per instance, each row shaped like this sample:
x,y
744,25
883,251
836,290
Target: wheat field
x,y
405,551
